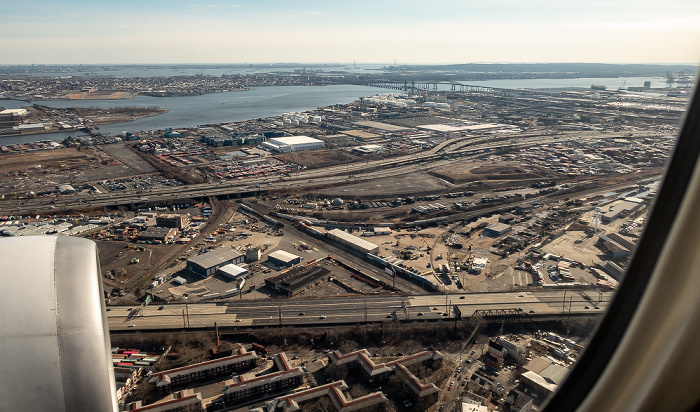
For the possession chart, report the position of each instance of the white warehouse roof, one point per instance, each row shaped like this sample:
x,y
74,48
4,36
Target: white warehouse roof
x,y
292,140
293,144
282,256
233,271
342,235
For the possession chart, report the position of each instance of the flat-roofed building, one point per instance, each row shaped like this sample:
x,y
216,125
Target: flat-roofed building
x,y
352,241
497,229
208,263
282,258
295,280
293,144
158,234
620,209
176,220
233,271
513,349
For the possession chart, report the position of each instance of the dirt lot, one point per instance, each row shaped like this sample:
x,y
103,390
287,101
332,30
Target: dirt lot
x,y
318,158
42,170
99,96
388,188
472,171
64,159
115,258
45,170
126,156
580,247
116,114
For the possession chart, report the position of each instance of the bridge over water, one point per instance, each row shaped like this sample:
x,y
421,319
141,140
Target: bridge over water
x,y
456,87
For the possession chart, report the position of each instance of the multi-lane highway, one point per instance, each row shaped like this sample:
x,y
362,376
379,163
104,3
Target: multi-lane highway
x,y
456,151
350,309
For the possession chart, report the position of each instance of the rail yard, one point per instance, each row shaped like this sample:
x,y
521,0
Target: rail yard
x,y
425,177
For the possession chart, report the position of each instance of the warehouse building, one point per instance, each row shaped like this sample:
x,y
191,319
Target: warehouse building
x,y
542,376
233,271
352,241
497,229
208,263
158,235
295,280
292,144
66,189
282,258
178,221
615,250
621,209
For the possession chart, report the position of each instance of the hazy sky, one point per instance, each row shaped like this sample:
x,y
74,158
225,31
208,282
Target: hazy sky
x,y
408,31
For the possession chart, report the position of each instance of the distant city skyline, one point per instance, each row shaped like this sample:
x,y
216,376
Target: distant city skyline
x,y
378,32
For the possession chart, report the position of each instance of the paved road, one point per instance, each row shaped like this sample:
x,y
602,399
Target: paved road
x,y
329,175
347,309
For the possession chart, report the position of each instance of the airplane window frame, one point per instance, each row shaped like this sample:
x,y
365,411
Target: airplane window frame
x,y
614,324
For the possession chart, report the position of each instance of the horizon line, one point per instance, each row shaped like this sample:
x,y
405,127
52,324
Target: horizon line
x,y
345,63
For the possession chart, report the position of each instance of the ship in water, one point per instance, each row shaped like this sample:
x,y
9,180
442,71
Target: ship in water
x,y
598,87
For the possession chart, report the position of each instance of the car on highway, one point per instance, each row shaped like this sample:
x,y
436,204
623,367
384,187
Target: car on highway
x,y
132,325
420,313
521,295
388,316
461,297
161,307
302,313
322,317
532,311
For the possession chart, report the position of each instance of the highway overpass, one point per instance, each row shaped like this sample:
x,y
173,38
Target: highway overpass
x,y
349,310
